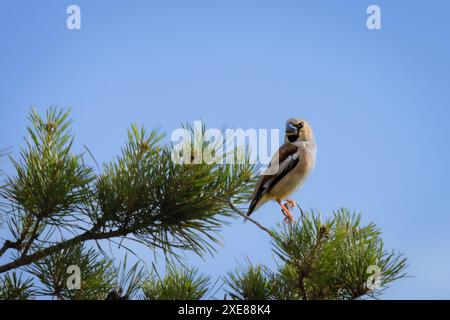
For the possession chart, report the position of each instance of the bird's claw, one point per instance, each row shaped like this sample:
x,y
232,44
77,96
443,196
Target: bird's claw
x,y
290,204
288,218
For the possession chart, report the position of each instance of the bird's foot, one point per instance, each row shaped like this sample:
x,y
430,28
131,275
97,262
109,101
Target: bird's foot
x,y
288,217
291,204
288,220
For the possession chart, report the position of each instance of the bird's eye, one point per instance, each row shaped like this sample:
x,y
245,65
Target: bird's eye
x,y
301,125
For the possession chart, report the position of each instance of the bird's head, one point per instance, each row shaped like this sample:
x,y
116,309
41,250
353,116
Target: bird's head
x,y
298,130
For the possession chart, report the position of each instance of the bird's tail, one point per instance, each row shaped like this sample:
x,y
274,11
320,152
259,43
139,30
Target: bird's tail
x,y
253,206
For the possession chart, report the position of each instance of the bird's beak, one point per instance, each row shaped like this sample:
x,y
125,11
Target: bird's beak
x,y
291,129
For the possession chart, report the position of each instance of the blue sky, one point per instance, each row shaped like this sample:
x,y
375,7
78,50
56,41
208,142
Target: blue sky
x,y
377,100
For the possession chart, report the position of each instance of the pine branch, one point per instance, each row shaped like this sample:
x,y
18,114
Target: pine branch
x,y
239,212
18,243
12,287
142,193
306,267
8,245
144,196
33,237
97,278
321,260
179,283
88,235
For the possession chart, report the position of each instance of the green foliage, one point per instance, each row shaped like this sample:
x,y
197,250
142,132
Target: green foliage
x,y
12,287
249,283
128,281
55,203
142,195
50,182
165,204
331,259
97,274
177,284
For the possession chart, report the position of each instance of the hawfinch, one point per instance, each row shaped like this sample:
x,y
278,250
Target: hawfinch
x,y
288,169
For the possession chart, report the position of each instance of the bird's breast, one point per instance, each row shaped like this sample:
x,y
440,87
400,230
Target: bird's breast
x,y
298,175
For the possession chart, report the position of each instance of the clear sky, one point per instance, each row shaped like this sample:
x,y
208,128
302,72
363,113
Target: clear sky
x,y
378,100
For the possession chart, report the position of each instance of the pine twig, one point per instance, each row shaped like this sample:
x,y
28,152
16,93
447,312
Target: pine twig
x,y
8,245
302,287
305,267
239,212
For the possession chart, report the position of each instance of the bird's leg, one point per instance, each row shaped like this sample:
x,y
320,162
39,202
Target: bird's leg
x,y
291,204
288,218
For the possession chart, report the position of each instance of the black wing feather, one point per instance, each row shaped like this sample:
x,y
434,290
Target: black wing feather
x,y
288,160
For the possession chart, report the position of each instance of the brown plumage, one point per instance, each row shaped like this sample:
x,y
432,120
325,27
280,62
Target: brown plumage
x,y
288,169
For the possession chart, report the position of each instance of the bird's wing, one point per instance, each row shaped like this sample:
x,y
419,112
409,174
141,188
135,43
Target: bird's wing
x,y
287,160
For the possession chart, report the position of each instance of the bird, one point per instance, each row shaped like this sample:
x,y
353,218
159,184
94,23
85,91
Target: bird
x,y
288,169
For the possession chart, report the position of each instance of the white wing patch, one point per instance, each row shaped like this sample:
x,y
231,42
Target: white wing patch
x,y
284,167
